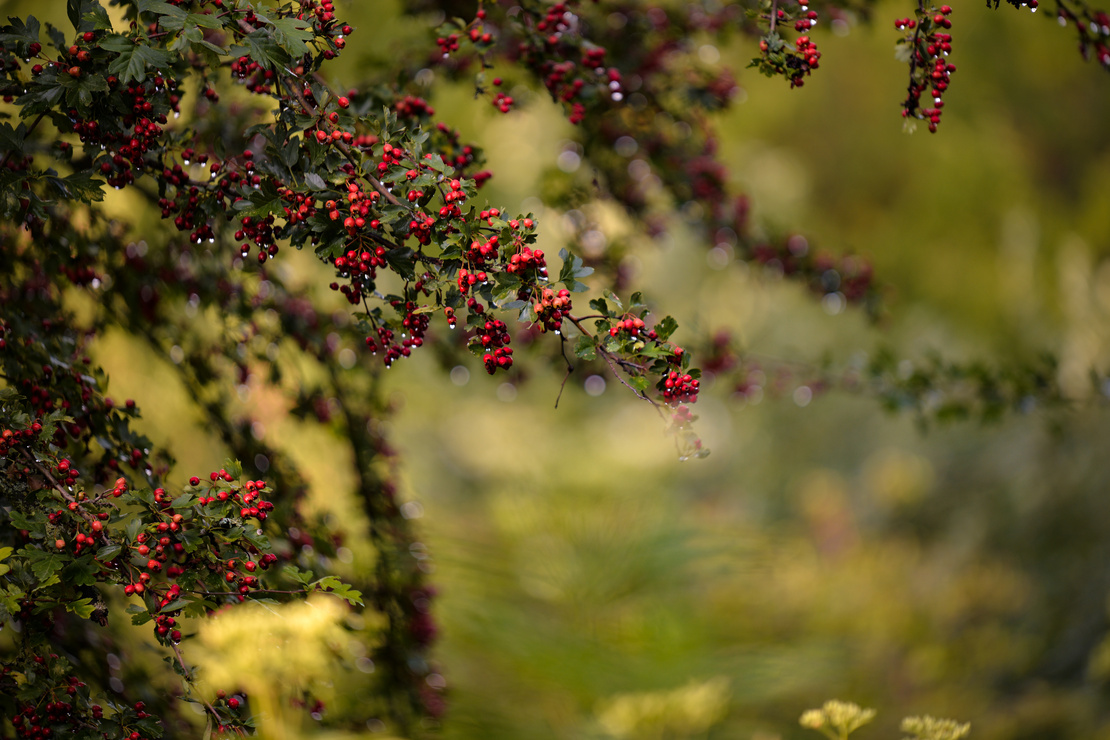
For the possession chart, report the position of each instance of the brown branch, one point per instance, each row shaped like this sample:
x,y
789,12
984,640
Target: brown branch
x,y
59,488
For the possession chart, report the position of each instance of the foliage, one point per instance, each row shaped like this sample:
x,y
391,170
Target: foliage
x,y
271,155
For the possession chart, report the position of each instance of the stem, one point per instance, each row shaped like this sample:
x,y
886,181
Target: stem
x,y
344,149
912,103
58,487
189,678
570,368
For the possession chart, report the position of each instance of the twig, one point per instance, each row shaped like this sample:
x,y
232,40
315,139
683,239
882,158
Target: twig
x,y
189,677
570,368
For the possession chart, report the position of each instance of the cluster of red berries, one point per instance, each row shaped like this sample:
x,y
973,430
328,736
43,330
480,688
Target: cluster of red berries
x,y
415,324
561,78
360,270
453,198
66,473
302,207
808,21
551,307
929,68
165,625
13,438
679,387
493,338
467,279
448,44
42,721
776,57
528,262
391,155
807,52
630,325
81,540
411,106
502,102
324,12
392,351
259,231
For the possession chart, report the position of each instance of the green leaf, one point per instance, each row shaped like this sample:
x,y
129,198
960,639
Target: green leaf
x,y
402,262
134,59
96,20
80,186
75,9
234,468
174,606
133,529
292,573
43,564
182,501
666,328
585,349
159,7
81,607
80,572
333,585
204,21
291,33
108,552
19,34
315,182
261,47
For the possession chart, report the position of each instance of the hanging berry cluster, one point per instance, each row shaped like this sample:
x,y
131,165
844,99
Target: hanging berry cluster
x,y
926,43
550,44
776,55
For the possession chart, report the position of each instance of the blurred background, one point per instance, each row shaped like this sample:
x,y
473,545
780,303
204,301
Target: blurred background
x,y
591,585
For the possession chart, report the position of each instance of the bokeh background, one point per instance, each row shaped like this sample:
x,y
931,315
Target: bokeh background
x,y
591,585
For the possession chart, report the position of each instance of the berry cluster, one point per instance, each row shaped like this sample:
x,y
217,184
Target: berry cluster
x,y
492,340
776,56
630,326
551,308
254,76
548,43
680,387
928,45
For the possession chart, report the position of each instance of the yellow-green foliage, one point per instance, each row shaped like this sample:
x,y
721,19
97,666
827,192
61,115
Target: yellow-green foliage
x,y
679,713
930,728
837,719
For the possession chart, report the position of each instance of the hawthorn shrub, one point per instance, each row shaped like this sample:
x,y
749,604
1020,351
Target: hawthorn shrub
x,y
220,118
